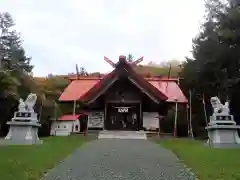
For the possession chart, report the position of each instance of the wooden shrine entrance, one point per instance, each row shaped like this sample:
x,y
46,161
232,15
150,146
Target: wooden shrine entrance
x,y
121,116
124,96
122,99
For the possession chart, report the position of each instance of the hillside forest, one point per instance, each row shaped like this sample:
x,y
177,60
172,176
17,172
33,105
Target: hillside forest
x,y
213,70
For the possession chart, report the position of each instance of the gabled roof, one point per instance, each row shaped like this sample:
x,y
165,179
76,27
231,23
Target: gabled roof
x,y
78,88
89,88
124,69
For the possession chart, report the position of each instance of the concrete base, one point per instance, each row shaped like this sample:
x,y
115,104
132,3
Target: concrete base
x,y
22,133
223,145
223,136
122,135
19,142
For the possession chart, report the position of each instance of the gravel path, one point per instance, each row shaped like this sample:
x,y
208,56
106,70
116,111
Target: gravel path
x,y
110,159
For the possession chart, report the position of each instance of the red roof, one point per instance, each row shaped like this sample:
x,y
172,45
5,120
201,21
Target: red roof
x,y
69,117
171,89
102,76
78,88
163,88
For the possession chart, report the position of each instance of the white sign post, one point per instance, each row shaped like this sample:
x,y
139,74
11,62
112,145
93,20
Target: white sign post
x,y
95,120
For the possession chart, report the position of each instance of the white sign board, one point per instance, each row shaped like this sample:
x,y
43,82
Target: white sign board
x,y
95,120
150,120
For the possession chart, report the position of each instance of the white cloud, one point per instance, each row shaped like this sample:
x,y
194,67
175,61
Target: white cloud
x,y
59,34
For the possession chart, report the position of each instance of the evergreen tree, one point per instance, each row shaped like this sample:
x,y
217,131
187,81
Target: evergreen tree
x,y
216,59
15,67
215,67
14,64
130,58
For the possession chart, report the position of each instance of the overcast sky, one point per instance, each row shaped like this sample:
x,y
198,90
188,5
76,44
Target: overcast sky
x,y
61,33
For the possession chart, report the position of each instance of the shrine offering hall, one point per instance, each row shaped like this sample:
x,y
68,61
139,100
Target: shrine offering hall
x,y
122,99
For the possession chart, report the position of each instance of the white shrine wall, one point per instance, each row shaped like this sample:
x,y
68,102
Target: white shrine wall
x,y
65,128
150,120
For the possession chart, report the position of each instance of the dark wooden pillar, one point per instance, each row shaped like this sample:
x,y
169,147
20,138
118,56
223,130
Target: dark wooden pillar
x,y
140,116
105,116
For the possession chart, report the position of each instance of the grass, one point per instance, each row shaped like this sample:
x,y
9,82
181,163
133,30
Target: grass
x,y
31,162
207,163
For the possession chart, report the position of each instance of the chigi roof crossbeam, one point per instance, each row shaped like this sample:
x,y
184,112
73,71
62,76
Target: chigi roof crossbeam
x,y
136,62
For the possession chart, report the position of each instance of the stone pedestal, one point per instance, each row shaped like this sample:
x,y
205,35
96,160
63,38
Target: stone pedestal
x,y
24,125
23,129
223,131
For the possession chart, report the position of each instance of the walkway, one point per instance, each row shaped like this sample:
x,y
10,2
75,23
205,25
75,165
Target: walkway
x,y
115,159
122,135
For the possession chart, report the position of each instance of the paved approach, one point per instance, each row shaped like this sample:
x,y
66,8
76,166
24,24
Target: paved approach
x,y
116,159
122,135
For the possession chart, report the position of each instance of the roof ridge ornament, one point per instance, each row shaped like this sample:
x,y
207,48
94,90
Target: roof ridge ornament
x,y
110,62
137,61
123,58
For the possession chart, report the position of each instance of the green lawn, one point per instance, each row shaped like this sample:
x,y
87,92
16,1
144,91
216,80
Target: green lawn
x,y
31,162
207,163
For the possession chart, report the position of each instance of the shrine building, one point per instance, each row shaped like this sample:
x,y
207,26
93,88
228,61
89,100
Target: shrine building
x,y
122,99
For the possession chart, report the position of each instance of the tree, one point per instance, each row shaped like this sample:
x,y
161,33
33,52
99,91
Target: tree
x,y
130,57
13,59
216,60
216,49
15,67
214,69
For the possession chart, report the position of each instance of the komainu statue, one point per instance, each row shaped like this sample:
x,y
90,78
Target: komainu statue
x,y
28,104
218,107
21,105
